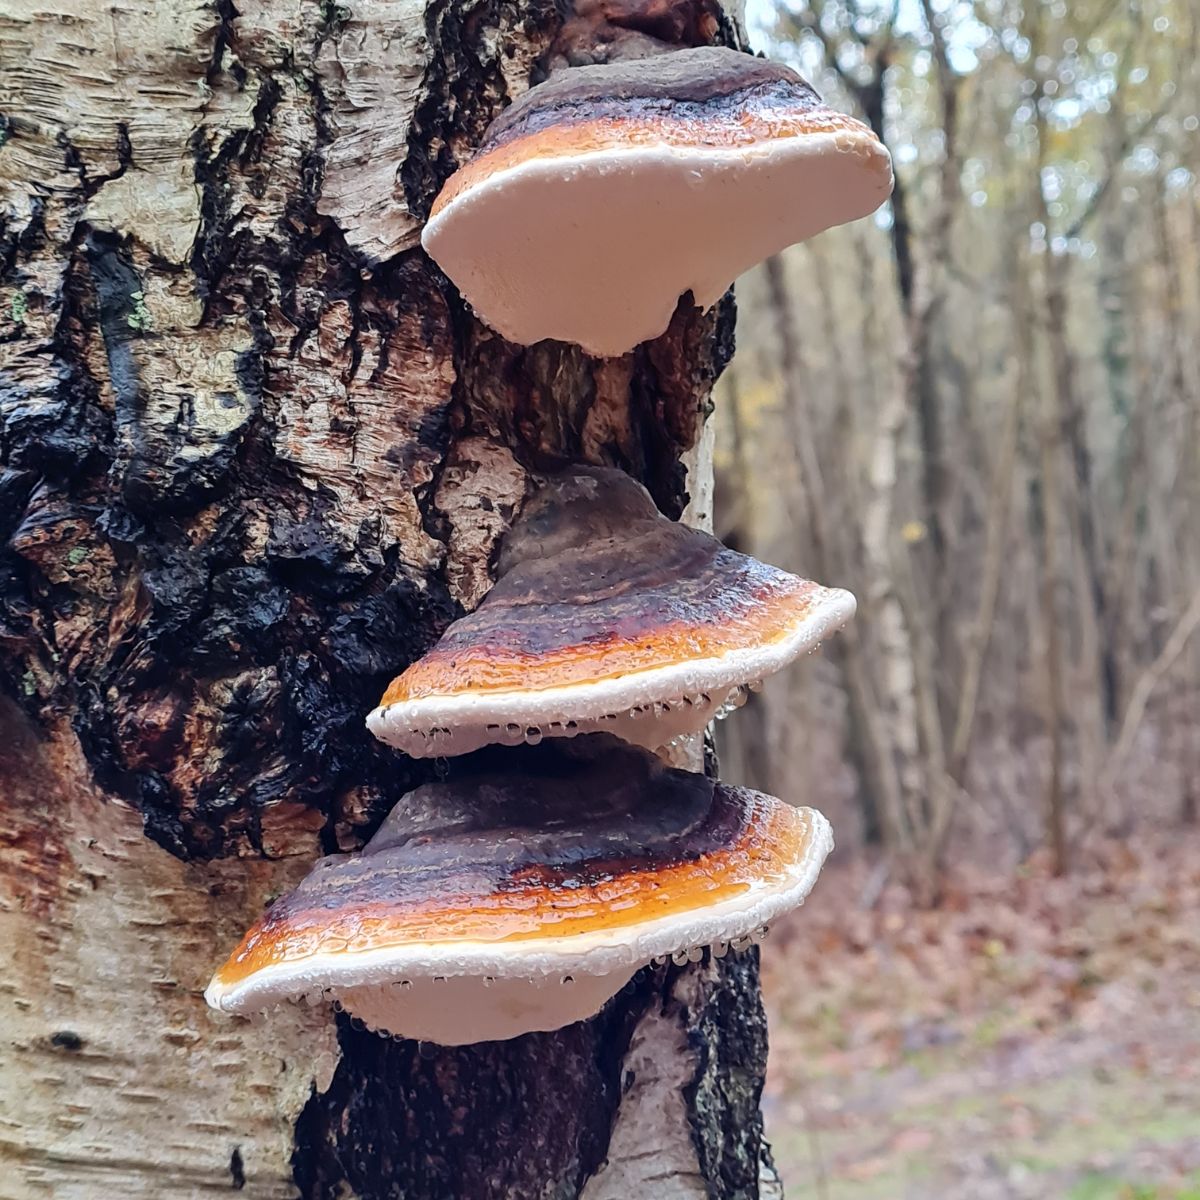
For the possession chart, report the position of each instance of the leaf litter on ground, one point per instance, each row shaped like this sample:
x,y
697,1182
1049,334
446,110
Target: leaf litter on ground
x,y
1032,1037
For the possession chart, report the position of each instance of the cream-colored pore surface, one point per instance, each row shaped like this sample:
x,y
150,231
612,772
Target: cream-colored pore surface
x,y
462,1009
597,249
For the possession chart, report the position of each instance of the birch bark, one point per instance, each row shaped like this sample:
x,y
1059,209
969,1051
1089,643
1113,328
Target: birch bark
x,y
255,455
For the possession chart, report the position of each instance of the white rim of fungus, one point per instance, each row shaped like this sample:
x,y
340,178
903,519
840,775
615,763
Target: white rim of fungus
x,y
458,723
601,952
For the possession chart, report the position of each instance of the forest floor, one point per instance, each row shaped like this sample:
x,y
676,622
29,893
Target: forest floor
x,y
1032,1039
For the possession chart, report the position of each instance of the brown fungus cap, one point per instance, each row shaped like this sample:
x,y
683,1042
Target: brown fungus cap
x,y
603,195
605,616
523,899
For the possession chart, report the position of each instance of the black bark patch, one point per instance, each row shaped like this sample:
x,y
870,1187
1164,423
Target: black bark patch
x,y
517,1120
464,85
217,632
237,1170
729,1037
50,424
164,461
531,1118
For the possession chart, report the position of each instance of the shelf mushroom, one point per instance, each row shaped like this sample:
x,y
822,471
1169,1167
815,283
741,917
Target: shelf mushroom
x,y
605,616
603,195
507,902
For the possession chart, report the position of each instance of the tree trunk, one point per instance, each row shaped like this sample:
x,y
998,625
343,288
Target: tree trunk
x,y
1050,446
866,744
256,456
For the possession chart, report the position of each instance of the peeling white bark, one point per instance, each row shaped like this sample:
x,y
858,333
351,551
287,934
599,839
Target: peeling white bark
x,y
116,1079
652,1152
480,492
373,67
350,426
699,464
78,74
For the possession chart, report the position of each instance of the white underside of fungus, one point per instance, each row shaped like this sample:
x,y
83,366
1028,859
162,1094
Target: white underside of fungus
x,y
598,248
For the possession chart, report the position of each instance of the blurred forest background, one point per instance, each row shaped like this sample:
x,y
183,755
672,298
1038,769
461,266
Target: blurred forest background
x,y
981,413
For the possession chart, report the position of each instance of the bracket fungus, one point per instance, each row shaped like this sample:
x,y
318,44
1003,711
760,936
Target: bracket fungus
x,y
522,899
605,616
600,197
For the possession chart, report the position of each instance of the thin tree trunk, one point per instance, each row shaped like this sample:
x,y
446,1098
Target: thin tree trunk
x,y
1149,680
867,742
1075,438
743,744
996,528
926,307
898,682
256,455
1178,490
1050,443
1058,402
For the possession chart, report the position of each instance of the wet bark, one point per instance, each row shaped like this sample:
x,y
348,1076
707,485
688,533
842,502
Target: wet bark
x,y
256,455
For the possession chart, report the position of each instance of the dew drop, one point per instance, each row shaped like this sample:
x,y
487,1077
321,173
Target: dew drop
x,y
533,735
679,957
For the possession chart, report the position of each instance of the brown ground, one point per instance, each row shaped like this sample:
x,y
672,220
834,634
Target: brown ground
x,y
1034,1039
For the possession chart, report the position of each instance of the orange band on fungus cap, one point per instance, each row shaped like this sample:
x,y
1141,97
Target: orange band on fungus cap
x,y
553,645
600,197
589,866
716,131
380,904
605,615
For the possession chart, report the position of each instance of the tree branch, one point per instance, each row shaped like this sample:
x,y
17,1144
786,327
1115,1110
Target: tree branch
x,y
1149,679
